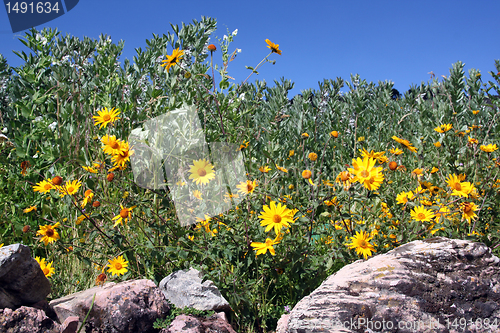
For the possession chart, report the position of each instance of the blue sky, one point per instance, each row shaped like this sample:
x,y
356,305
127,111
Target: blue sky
x,y
400,41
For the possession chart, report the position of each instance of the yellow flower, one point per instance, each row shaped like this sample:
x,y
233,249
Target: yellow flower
x,y
29,209
247,187
197,195
47,268
276,216
244,145
468,210
475,111
345,179
335,134
106,116
472,141
365,173
123,155
89,169
405,143
282,169
69,188
462,189
313,156
173,59
274,47
434,170
489,148
117,266
361,139
202,172
395,151
360,242
49,233
305,135
443,128
264,169
418,172
43,187
80,219
403,197
89,195
422,214
112,145
124,216
379,156
291,153
262,248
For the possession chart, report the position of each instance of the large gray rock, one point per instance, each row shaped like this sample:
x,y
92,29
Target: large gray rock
x,y
126,307
22,282
435,285
185,288
27,319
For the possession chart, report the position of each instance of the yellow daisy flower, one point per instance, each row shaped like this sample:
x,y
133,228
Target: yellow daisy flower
x,y
443,128
89,195
123,156
276,216
202,172
117,266
105,117
489,148
124,216
69,188
422,214
29,209
262,248
247,187
405,143
49,233
43,187
360,242
112,145
468,210
264,169
365,173
173,59
47,268
275,48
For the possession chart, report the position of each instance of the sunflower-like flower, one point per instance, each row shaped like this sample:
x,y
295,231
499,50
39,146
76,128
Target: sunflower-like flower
x,y
468,210
117,266
285,170
345,179
202,171
422,214
49,233
379,156
276,216
46,267
29,209
313,156
69,188
112,145
395,151
489,148
89,195
123,155
405,143
365,173
275,48
264,169
106,116
247,187
360,242
262,248
173,59
124,216
443,128
43,187
459,188
403,197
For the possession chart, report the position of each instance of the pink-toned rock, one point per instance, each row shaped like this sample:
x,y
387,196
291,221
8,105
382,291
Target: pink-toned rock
x,y
70,325
434,285
190,324
27,320
282,324
130,306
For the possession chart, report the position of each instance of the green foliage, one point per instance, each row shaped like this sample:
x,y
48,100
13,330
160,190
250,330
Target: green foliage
x,y
47,109
175,311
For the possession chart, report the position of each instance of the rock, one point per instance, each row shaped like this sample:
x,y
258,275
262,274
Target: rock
x,y
190,324
27,319
131,306
22,282
185,288
70,325
434,285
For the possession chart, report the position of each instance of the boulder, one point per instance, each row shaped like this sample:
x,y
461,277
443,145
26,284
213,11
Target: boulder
x,y
190,324
22,282
27,319
185,289
434,285
126,307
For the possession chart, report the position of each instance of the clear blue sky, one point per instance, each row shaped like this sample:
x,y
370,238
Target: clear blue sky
x,y
401,41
